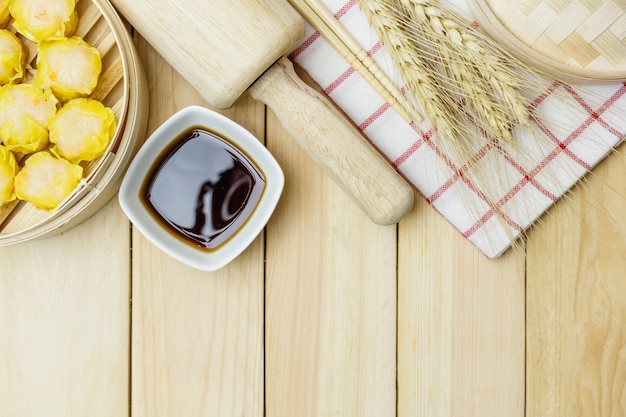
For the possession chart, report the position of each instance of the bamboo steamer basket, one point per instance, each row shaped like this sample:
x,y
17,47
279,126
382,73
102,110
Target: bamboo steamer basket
x,y
577,41
122,86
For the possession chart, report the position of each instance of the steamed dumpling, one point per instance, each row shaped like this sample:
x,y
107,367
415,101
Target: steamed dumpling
x,y
12,58
4,13
82,130
69,67
40,20
8,170
46,180
25,111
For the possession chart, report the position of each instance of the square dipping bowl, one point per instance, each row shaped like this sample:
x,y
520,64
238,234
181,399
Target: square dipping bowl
x,y
201,188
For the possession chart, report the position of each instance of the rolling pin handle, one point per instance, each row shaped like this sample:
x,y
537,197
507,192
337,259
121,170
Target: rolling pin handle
x,y
334,144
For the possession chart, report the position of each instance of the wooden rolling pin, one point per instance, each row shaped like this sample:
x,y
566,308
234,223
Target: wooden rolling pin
x,y
225,47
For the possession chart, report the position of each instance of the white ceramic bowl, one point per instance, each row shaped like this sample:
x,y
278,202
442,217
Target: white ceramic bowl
x,y
162,142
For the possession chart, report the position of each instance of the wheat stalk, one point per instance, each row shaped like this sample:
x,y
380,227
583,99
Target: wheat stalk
x,y
344,43
472,91
464,82
394,36
474,94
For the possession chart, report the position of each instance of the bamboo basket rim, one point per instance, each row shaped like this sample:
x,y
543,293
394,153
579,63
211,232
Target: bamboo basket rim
x,y
493,24
102,182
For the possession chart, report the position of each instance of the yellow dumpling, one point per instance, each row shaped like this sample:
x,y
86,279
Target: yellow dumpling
x,y
40,20
12,58
25,111
8,170
69,67
46,180
4,13
82,130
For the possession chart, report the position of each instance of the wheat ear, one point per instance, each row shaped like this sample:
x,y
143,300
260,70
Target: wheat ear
x,y
463,81
420,82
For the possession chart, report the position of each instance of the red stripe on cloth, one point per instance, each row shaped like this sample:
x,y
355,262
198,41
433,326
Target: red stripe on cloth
x,y
375,48
459,175
541,97
345,9
339,80
304,45
560,148
424,137
495,144
529,176
595,116
372,118
561,145
526,179
445,187
480,223
348,72
315,36
343,77
526,176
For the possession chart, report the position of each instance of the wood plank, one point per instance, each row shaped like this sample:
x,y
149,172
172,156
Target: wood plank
x,y
330,298
577,301
197,345
64,315
461,324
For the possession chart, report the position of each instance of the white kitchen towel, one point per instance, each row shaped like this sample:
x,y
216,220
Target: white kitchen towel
x,y
494,199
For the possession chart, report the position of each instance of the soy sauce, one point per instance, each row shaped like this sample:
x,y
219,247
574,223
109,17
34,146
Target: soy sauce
x,y
202,188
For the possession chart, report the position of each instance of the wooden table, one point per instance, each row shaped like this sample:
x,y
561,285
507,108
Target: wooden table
x,y
326,314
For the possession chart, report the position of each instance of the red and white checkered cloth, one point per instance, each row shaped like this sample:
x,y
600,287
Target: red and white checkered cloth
x,y
575,138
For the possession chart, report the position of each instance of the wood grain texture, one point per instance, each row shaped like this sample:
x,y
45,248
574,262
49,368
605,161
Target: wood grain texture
x,y
245,38
335,144
197,346
221,47
330,298
460,324
577,301
327,314
64,320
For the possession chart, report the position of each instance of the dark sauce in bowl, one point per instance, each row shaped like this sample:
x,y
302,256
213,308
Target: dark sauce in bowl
x,y
202,188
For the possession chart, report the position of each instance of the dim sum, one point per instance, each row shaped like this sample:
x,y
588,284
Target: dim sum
x,y
12,58
8,170
40,20
46,180
82,130
5,16
69,67
25,111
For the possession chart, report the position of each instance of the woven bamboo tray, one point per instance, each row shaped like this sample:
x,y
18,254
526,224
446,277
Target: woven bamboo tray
x,y
122,87
577,41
